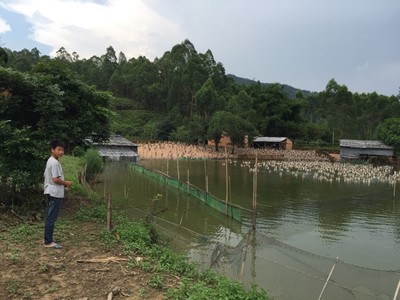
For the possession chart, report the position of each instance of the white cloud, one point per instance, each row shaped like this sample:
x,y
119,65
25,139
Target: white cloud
x,y
301,43
89,28
4,26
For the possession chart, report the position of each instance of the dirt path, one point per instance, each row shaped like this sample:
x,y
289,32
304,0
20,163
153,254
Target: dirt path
x,y
30,271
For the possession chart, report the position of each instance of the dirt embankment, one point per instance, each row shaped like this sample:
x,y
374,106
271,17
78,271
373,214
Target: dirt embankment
x,y
83,269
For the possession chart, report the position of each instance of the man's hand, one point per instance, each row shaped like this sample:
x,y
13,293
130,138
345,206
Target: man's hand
x,y
67,184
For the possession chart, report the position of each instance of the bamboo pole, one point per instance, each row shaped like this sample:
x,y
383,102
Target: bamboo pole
x,y
205,174
207,184
230,188
105,188
177,165
253,255
244,253
255,193
327,279
226,183
126,192
180,222
188,181
109,213
394,187
167,165
397,291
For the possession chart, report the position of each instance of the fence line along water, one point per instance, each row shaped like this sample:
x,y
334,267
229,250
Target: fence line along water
x,y
232,210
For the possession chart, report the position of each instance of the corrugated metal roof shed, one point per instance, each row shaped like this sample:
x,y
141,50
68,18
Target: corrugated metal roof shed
x,y
117,152
268,139
117,140
117,148
364,144
363,149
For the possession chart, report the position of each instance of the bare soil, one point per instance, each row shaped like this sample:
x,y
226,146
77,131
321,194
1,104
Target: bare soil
x,y
31,271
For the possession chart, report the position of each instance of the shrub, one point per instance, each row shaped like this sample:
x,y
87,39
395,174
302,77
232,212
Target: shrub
x,y
94,164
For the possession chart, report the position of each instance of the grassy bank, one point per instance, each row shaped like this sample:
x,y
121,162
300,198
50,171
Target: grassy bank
x,y
138,239
130,260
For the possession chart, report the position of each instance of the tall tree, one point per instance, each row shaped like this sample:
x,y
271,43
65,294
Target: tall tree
x,y
338,98
36,108
389,132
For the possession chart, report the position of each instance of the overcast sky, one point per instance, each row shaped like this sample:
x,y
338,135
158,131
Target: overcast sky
x,y
303,43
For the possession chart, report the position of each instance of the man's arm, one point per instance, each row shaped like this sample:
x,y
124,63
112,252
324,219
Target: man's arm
x,y
59,181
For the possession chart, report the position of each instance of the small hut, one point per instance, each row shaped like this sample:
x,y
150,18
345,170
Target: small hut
x,y
118,148
281,143
364,149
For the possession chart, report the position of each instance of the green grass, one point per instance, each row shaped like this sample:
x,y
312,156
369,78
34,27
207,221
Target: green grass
x,y
72,167
139,239
135,124
25,232
135,239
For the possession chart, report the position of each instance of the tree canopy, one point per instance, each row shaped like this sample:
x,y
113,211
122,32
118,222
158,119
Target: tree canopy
x,y
183,96
49,102
184,89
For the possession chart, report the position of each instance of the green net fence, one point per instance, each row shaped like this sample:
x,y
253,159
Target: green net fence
x,y
226,208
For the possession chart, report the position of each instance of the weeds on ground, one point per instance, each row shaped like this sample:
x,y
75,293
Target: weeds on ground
x,y
139,239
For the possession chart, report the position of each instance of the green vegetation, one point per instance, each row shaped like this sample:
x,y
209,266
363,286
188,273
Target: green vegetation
x,y
181,94
389,132
139,239
93,165
47,103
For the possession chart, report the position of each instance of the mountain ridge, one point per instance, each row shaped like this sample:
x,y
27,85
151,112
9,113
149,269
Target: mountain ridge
x,y
289,90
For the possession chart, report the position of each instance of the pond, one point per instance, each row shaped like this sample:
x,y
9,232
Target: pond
x,y
307,227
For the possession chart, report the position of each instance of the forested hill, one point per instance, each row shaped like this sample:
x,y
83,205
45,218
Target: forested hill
x,y
289,90
184,96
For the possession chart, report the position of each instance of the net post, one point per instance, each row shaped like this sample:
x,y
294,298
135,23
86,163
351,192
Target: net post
x,y
255,193
327,279
109,212
397,291
226,183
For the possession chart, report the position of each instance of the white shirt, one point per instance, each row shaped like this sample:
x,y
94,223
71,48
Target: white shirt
x,y
53,170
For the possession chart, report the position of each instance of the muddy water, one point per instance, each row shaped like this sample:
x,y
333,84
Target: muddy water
x,y
312,222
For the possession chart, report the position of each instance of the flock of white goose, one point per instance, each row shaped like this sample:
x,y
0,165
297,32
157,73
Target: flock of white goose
x,y
310,165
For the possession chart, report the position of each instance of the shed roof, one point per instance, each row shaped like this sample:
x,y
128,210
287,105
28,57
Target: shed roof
x,y
267,139
117,140
364,144
116,153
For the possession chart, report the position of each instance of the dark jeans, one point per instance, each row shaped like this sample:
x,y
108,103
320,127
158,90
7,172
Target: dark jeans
x,y
52,211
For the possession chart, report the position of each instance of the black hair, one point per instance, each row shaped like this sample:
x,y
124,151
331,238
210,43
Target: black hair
x,y
57,143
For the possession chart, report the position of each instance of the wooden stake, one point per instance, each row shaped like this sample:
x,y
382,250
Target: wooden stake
x,y
167,165
188,181
244,253
177,166
109,213
230,188
126,192
397,291
327,280
205,174
255,193
180,222
226,183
